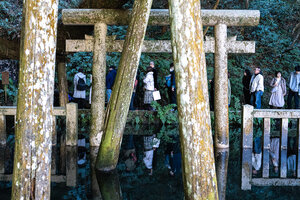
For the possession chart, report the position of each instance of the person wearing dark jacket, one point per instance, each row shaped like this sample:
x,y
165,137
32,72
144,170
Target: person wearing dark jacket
x,y
246,86
173,87
110,80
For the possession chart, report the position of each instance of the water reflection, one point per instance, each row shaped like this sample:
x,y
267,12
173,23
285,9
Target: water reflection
x,y
94,184
222,156
109,185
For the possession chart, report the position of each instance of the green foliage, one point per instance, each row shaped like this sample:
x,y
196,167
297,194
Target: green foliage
x,y
166,114
11,15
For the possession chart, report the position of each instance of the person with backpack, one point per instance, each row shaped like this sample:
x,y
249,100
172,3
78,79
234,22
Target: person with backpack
x,y
79,88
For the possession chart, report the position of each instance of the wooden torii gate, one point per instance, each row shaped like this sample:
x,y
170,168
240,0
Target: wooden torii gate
x,y
221,45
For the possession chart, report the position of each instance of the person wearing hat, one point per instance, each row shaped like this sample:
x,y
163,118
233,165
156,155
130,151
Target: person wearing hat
x,y
294,88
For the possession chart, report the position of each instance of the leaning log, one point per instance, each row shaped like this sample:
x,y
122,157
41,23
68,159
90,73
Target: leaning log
x,y
32,161
199,174
116,113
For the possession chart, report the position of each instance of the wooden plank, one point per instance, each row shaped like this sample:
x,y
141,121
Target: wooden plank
x,y
12,110
275,182
59,111
276,113
247,147
8,110
54,178
158,17
298,154
266,147
283,148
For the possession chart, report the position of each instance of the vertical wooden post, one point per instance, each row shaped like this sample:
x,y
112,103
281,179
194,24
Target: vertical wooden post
x,y
222,155
33,141
283,148
247,147
199,173
266,148
71,168
62,84
221,85
71,124
2,142
98,91
117,110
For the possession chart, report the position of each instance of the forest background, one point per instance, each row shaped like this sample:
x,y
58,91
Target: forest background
x,y
277,45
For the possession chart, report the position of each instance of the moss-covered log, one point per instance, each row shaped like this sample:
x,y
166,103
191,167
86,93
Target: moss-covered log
x,y
116,113
32,161
199,174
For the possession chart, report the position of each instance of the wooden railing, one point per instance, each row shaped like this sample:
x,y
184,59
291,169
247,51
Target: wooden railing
x,y
68,151
247,144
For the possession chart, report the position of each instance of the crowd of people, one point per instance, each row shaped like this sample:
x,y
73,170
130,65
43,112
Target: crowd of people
x,y
253,89
150,87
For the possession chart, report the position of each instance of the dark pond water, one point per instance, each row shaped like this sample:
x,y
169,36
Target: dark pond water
x,y
135,183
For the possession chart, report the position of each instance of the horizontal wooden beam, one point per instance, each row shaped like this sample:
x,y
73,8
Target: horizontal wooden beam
x,y
275,182
12,110
54,178
157,46
158,17
276,113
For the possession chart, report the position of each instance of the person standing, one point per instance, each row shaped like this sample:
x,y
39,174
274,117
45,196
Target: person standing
x,y
173,86
294,88
256,88
149,88
246,86
278,85
154,75
131,107
110,80
79,88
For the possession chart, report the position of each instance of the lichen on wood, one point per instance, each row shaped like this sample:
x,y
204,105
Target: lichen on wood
x,y
32,160
117,110
158,17
98,89
199,175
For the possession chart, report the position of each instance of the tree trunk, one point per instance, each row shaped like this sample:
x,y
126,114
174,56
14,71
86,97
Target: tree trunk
x,y
117,110
98,90
62,84
32,161
199,174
